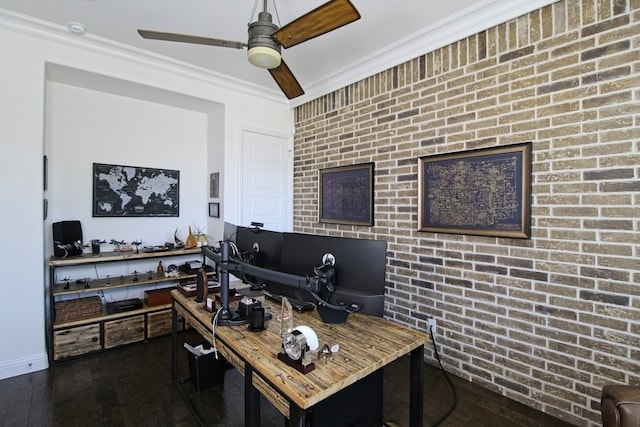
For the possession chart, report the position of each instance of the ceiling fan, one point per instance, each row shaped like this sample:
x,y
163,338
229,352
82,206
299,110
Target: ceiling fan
x,y
265,38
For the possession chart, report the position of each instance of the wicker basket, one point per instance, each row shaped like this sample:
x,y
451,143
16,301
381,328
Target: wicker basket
x,y
78,309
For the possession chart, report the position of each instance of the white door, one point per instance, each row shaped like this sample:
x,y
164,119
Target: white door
x,y
267,170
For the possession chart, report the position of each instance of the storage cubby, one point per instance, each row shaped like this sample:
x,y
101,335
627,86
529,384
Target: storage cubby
x,y
78,321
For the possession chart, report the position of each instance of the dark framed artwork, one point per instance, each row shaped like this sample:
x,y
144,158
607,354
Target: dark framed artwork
x,y
214,210
346,195
45,172
134,191
483,192
214,185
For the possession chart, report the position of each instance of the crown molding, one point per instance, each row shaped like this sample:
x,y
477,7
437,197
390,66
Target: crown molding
x,y
34,27
481,16
477,18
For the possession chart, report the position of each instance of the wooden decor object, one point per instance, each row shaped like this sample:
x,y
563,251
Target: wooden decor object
x,y
202,286
296,365
154,297
191,240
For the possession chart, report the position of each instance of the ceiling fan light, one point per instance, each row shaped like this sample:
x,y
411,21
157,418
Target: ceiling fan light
x,y
264,57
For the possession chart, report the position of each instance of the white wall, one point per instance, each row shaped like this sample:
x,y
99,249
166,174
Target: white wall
x,y
28,52
86,126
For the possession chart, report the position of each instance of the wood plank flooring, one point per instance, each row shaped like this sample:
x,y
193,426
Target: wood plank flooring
x,y
131,386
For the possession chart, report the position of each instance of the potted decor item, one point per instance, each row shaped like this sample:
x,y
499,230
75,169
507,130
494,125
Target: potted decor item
x,y
200,235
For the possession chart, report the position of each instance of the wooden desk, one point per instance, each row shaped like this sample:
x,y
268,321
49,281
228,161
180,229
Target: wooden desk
x,y
367,344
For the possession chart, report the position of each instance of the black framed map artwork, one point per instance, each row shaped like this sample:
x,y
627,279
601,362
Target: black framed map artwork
x,y
134,191
483,192
346,195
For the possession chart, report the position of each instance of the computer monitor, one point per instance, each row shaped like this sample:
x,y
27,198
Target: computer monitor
x,y
229,232
264,246
360,265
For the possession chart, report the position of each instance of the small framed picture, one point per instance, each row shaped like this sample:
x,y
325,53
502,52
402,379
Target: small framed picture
x,y
214,185
214,210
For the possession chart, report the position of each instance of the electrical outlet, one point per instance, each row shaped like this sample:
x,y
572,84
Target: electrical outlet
x,y
431,323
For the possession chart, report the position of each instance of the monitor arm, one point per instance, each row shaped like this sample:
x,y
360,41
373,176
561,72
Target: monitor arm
x,y
313,285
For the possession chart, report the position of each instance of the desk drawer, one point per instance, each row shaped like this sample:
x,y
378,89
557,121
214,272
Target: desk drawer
x,y
231,357
276,399
159,323
76,341
123,331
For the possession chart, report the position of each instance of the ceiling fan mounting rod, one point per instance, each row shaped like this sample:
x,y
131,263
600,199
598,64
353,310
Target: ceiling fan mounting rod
x,y
255,7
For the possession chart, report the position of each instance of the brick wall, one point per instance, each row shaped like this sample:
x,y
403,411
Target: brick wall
x,y
548,320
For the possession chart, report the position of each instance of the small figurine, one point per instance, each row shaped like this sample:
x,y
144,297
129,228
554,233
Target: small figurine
x,y
172,271
160,270
117,244
137,244
179,243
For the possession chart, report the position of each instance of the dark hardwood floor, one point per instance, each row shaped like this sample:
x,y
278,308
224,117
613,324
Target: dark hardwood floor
x,y
132,386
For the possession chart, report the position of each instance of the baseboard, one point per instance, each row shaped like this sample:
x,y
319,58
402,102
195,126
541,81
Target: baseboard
x,y
13,368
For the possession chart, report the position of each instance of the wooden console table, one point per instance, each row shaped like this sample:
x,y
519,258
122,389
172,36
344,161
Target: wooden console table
x,y
366,343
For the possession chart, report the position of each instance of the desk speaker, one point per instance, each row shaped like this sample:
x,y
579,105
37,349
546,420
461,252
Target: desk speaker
x,y
67,238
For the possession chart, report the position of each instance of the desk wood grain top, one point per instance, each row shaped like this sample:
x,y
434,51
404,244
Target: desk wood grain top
x,y
366,343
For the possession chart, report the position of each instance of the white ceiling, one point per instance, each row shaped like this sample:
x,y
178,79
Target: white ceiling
x,y
389,32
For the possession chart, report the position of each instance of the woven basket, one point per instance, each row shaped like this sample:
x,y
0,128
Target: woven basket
x,y
78,309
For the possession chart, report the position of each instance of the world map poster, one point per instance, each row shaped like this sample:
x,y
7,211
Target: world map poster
x,y
133,191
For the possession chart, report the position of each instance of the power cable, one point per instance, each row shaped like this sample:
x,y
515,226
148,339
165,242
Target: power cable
x,y
446,376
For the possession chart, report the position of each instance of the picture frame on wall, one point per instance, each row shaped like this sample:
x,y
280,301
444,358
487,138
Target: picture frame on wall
x,y
480,192
45,172
214,185
135,191
346,195
214,210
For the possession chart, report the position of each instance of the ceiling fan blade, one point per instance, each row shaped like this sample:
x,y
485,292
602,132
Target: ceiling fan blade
x,y
327,17
286,80
185,38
